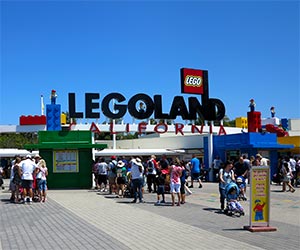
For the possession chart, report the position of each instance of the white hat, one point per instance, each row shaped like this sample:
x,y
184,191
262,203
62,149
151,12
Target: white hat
x,y
37,156
137,161
28,156
120,164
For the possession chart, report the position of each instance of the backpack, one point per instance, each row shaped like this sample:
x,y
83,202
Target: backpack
x,y
113,167
119,171
150,166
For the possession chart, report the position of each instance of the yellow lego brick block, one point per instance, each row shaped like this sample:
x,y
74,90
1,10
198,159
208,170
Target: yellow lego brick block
x,y
63,119
241,122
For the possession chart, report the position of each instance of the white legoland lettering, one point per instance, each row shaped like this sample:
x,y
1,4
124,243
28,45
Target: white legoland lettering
x,y
195,81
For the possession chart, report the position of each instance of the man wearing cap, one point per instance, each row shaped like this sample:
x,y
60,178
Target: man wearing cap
x,y
137,170
27,167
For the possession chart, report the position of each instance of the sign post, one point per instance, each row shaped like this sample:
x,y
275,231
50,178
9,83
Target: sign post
x,y
259,212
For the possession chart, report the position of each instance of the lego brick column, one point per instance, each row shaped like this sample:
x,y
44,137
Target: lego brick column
x,y
53,117
254,121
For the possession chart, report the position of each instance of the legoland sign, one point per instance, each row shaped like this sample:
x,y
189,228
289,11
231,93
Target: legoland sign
x,y
192,82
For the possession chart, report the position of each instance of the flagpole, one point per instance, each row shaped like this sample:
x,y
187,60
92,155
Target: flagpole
x,y
42,105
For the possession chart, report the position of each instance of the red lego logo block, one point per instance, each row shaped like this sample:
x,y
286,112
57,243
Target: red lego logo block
x,y
192,81
33,120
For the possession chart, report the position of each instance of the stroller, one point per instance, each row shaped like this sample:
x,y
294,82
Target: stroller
x,y
233,207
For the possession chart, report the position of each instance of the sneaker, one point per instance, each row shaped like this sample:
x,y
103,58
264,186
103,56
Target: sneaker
x,y
142,201
163,201
200,186
191,186
134,201
157,203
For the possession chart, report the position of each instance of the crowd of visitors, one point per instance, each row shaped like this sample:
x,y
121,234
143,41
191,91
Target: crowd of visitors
x,y
28,179
131,178
124,178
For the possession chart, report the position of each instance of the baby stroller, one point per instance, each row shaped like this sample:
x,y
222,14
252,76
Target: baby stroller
x,y
129,192
240,181
233,207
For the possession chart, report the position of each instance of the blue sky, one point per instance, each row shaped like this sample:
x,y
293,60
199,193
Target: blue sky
x,y
250,49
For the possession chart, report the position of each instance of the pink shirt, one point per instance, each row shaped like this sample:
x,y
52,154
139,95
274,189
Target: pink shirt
x,y
175,174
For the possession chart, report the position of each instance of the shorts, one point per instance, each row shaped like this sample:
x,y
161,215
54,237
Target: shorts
x,y
175,188
102,178
161,189
27,184
120,180
195,176
42,184
182,189
12,186
111,180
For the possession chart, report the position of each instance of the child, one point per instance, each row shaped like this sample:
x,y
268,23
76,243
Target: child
x,y
160,183
234,205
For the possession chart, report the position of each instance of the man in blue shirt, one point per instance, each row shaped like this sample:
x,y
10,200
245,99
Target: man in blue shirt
x,y
195,171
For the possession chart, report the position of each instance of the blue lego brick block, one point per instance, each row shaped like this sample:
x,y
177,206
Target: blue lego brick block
x,y
285,123
53,113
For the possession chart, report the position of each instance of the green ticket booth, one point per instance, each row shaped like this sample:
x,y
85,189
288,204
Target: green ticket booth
x,y
69,157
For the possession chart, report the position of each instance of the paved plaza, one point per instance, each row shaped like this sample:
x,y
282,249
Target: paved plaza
x,y
87,219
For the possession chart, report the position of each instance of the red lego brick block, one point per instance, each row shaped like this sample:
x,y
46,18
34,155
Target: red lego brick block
x,y
33,120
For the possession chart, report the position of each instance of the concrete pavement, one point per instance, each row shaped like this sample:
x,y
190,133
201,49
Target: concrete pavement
x,y
86,219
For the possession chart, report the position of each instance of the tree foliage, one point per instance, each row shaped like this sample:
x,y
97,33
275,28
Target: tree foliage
x,y
17,140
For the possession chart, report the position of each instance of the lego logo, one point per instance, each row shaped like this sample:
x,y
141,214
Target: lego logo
x,y
193,81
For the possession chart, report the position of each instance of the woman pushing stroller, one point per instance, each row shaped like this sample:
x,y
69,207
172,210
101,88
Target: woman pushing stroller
x,y
226,176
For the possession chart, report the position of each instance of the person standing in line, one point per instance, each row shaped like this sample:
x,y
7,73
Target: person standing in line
x,y
160,183
137,171
36,176
112,174
28,167
17,178
151,167
42,183
226,176
12,186
216,166
182,181
175,183
195,171
102,174
121,178
95,172
164,163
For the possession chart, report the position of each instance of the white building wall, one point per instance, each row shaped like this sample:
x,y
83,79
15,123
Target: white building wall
x,y
171,142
